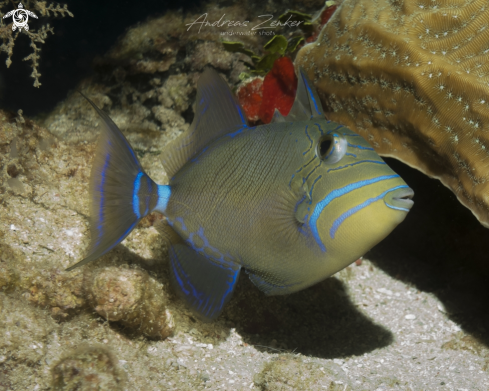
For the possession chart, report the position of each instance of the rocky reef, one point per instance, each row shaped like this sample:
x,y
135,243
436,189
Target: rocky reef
x,y
412,77
390,321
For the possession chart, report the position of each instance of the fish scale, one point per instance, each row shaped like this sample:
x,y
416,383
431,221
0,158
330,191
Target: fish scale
x,y
290,203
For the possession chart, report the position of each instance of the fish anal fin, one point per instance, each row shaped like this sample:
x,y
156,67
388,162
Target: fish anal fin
x,y
205,285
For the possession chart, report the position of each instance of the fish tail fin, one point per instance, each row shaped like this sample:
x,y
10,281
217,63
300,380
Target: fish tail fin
x,y
121,194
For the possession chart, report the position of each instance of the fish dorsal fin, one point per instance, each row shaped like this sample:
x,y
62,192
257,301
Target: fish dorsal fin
x,y
217,112
307,104
277,117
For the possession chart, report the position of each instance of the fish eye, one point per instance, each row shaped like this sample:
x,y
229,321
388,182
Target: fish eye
x,y
331,148
324,147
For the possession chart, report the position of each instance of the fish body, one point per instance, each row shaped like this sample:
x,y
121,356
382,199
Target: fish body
x,y
291,202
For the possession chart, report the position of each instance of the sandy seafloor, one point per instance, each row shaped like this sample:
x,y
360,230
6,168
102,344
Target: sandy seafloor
x,y
412,315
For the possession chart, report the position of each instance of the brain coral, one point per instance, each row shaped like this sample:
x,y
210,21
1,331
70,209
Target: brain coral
x,y
412,76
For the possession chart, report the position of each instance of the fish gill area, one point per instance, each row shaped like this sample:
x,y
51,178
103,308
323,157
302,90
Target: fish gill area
x,y
410,315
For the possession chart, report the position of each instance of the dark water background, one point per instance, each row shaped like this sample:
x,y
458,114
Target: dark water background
x,y
66,57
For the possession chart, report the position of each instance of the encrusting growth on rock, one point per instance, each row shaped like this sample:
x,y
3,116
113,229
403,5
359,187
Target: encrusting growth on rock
x,y
412,77
132,297
88,368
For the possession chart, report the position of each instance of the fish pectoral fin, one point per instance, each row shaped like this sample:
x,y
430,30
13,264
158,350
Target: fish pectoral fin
x,y
270,288
205,285
306,104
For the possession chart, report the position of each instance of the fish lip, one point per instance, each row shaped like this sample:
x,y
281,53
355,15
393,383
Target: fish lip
x,y
400,199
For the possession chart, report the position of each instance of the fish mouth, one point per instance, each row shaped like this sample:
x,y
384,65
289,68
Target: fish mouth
x,y
400,198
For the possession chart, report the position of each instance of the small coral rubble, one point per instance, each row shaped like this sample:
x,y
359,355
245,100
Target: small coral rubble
x,y
132,297
413,78
276,375
88,368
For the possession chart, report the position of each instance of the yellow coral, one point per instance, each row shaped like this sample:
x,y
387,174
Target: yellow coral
x,y
412,76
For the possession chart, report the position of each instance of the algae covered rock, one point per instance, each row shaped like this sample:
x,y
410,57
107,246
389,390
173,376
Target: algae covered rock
x,y
133,298
89,368
24,331
288,372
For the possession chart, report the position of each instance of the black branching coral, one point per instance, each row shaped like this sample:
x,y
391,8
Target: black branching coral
x,y
11,12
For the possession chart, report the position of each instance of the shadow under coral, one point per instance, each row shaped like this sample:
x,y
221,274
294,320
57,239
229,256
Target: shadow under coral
x,y
441,248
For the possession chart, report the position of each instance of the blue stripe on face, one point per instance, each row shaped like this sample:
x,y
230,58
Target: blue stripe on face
x,y
312,187
360,162
360,147
364,204
320,129
336,194
135,195
310,139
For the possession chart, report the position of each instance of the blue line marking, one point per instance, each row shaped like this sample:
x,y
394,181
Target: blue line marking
x,y
230,288
352,164
308,175
135,194
310,139
311,95
199,154
360,147
350,154
243,121
206,302
292,177
149,184
123,236
180,220
305,165
298,202
234,134
164,193
177,275
364,204
312,187
320,206
238,108
320,129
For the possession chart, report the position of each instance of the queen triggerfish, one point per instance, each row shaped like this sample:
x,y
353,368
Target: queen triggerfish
x,y
290,203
